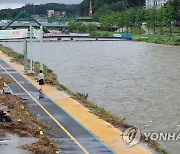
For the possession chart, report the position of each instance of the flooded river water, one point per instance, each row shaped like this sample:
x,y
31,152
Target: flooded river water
x,y
134,80
10,142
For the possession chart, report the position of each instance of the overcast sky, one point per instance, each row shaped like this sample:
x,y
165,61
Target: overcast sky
x,y
4,4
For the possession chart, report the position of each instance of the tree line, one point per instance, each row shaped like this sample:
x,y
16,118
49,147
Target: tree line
x,y
100,6
71,9
166,16
81,27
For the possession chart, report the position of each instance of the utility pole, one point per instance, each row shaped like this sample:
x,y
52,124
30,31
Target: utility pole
x,y
154,15
41,54
31,48
90,8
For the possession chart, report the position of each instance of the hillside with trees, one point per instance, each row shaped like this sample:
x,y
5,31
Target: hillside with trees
x,y
176,7
100,6
71,9
157,20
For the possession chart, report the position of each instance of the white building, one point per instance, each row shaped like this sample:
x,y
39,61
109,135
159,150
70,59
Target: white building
x,y
50,13
155,3
63,14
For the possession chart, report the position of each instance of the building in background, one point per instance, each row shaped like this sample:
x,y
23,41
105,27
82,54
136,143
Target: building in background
x,y
63,14
155,3
50,13
57,13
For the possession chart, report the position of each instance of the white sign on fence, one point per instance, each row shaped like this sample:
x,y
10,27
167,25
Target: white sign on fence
x,y
13,34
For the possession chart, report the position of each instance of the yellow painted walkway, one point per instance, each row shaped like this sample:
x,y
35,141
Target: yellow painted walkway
x,y
103,130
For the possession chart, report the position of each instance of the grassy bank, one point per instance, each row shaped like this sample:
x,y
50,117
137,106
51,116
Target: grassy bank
x,y
166,30
102,33
82,98
50,76
160,39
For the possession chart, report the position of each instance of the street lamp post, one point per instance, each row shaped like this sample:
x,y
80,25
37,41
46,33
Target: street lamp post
x,y
31,48
154,15
41,54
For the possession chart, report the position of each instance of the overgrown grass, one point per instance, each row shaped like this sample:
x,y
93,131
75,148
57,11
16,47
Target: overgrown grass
x,y
162,150
50,76
110,115
9,52
103,33
135,30
64,88
167,30
160,39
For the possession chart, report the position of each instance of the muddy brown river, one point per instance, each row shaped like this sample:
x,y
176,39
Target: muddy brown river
x,y
133,80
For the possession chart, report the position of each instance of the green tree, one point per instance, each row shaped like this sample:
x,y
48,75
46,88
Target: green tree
x,y
117,6
72,26
176,7
5,15
132,17
154,19
139,3
114,5
149,18
82,28
102,12
71,9
84,8
168,16
139,18
107,21
91,27
121,21
118,18
127,17
160,21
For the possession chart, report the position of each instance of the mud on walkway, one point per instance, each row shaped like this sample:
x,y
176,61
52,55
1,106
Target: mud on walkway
x,y
24,123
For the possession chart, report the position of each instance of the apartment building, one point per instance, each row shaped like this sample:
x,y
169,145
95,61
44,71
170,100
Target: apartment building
x,y
155,3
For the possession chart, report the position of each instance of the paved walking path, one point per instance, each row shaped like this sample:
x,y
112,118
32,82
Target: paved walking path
x,y
74,137
73,129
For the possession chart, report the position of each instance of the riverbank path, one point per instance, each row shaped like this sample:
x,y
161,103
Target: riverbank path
x,y
69,135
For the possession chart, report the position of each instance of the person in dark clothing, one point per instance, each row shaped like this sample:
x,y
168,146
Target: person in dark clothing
x,y
41,79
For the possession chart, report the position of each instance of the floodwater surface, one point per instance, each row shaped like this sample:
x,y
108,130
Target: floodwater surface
x,y
10,142
133,80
